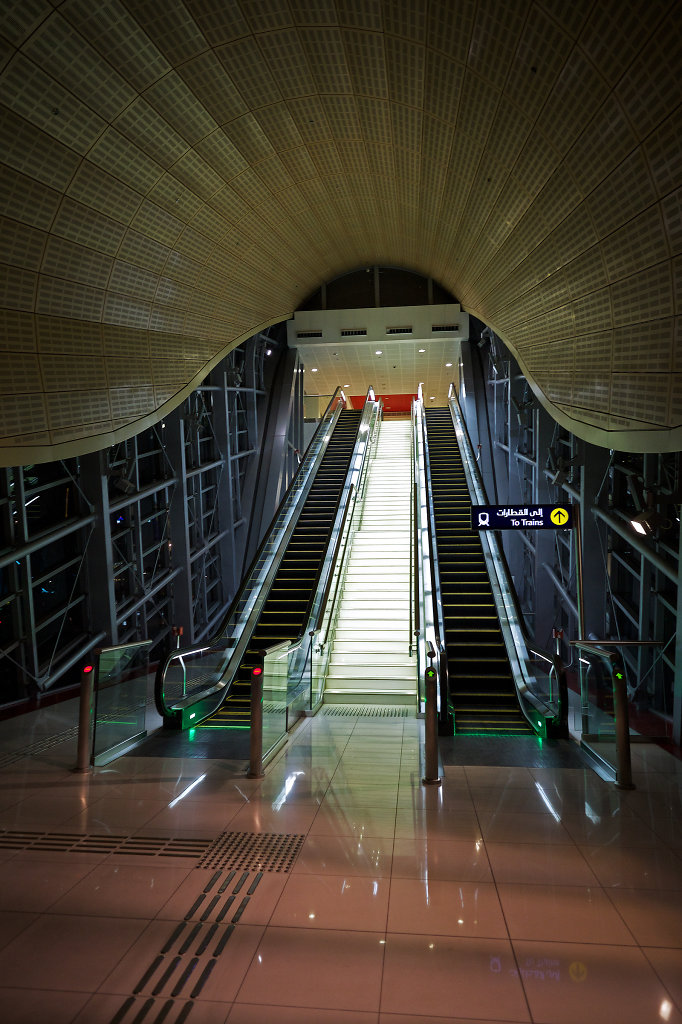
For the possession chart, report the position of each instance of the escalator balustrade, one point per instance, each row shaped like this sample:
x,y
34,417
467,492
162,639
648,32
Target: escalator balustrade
x,y
284,612
482,690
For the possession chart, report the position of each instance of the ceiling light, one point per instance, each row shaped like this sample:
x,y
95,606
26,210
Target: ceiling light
x,y
378,352
422,350
314,369
433,398
448,364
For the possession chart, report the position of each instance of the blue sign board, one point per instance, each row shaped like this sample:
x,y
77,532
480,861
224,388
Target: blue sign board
x,y
521,517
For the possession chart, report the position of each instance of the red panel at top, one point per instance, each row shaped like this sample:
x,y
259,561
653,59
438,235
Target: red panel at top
x,y
392,403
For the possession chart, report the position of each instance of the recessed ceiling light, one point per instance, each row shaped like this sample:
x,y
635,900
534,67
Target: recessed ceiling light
x,y
422,350
448,364
346,385
314,369
433,398
378,352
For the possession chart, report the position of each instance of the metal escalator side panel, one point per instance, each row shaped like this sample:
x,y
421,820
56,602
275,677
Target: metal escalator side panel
x,y
206,668
284,612
483,693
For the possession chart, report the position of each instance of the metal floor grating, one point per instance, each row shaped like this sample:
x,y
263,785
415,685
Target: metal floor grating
x,y
366,711
258,851
72,842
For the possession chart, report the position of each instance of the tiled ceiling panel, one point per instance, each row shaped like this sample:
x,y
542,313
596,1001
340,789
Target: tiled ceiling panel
x,y
192,170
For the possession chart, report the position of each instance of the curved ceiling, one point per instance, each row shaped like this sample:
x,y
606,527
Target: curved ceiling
x,y
178,175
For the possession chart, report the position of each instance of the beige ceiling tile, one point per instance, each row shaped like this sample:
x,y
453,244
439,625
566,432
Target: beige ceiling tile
x,y
644,396
63,53
279,127
326,58
119,39
207,77
613,36
637,245
25,87
172,27
366,62
644,296
23,416
495,36
671,208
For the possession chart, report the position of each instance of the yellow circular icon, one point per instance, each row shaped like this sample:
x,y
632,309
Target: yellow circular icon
x,y
577,971
559,516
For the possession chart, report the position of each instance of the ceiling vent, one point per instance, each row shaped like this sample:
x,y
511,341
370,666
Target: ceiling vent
x,y
354,332
308,334
398,330
436,328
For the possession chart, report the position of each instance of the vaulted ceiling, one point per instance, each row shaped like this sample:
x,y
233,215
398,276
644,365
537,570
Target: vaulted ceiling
x,y
178,175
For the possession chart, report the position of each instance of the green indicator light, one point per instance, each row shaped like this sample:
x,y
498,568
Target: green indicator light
x,y
619,675
430,673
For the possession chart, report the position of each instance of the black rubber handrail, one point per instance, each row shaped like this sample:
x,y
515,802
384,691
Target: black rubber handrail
x,y
173,654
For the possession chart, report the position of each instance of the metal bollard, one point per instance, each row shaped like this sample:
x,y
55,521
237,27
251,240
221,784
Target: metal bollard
x,y
85,719
620,707
431,778
256,754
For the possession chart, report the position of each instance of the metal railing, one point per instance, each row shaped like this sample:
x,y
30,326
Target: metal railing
x,y
531,700
191,683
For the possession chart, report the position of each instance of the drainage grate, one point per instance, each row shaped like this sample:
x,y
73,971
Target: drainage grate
x,y
258,851
366,711
73,842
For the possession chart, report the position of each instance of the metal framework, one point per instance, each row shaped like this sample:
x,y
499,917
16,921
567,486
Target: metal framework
x,y
631,580
136,541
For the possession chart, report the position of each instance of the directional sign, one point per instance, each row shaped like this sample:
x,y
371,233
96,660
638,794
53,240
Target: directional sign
x,y
521,517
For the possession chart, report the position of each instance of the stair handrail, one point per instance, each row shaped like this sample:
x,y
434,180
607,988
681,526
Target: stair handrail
x,y
288,510
318,603
433,610
512,622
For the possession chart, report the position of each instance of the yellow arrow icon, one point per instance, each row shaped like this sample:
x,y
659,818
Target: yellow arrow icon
x,y
577,971
559,516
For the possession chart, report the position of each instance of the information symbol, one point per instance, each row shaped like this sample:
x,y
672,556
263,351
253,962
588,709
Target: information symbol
x,y
559,516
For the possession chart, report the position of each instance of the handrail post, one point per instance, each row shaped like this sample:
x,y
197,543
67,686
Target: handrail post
x,y
431,776
85,719
562,685
620,706
256,732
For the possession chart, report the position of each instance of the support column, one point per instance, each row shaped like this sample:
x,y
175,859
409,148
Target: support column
x,y
100,557
595,580
183,614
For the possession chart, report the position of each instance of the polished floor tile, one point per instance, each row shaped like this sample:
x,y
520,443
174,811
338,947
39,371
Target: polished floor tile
x,y
52,953
420,907
116,889
654,918
441,860
505,894
592,983
308,968
562,912
533,864
472,977
333,902
345,855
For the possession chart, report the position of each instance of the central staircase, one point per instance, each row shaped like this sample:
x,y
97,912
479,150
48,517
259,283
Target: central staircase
x,y
370,661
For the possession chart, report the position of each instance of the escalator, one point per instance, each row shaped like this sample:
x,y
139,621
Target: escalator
x,y
285,611
482,692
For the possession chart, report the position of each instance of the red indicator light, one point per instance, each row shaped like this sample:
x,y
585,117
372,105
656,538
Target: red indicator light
x,y
257,671
87,668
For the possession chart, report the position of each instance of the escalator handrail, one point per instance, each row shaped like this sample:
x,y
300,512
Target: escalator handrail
x,y
334,407
505,583
483,500
436,597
